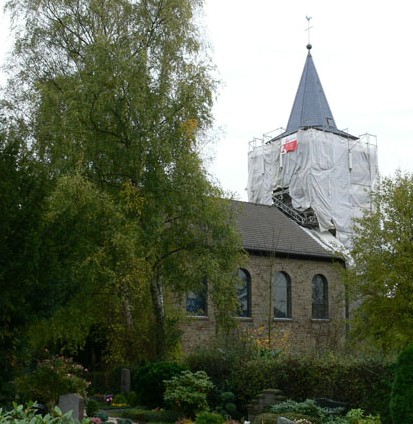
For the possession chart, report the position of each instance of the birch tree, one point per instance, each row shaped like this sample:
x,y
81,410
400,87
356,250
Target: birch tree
x,y
115,96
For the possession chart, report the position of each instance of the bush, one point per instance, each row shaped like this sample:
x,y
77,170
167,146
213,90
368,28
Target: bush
x,y
132,398
92,408
148,382
119,401
209,418
401,404
226,406
361,383
266,418
188,392
102,415
151,416
28,415
52,378
308,409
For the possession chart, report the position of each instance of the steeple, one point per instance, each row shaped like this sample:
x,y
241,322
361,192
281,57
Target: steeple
x,y
311,108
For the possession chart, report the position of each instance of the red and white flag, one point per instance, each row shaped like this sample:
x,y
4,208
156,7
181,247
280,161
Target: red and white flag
x,y
289,146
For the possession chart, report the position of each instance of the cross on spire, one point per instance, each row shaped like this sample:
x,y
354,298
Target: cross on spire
x,y
308,30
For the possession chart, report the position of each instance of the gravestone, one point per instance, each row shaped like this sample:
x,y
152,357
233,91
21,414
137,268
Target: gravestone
x,y
283,420
75,403
125,380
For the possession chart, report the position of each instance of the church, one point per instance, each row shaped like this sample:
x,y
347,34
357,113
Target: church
x,y
306,185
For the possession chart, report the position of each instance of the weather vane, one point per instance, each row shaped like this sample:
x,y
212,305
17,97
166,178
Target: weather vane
x,y
308,29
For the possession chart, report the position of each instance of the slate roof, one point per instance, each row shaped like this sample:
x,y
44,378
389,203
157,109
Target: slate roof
x,y
265,229
311,108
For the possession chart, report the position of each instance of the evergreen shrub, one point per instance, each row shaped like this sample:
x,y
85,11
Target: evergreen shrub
x,y
360,382
148,381
188,392
209,418
401,404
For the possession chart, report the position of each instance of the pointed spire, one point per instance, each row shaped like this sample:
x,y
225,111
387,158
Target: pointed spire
x,y
311,108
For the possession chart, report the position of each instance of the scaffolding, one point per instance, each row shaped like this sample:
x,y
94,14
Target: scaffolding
x,y
325,182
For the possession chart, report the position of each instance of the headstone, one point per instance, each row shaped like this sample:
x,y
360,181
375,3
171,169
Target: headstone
x,y
75,403
125,380
283,420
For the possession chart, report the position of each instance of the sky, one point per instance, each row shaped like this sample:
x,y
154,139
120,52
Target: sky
x,y
362,53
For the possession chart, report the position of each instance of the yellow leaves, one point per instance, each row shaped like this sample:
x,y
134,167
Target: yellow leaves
x,y
189,128
132,198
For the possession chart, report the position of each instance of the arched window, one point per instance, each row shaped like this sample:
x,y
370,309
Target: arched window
x,y
244,293
282,295
320,297
196,301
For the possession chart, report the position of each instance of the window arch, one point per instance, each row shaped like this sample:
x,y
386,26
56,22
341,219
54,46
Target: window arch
x,y
243,288
320,297
282,295
196,301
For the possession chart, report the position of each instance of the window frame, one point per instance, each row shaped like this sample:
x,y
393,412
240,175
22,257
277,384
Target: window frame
x,y
241,312
287,298
320,309
201,297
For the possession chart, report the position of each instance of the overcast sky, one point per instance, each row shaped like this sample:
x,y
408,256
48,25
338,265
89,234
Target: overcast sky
x,y
362,51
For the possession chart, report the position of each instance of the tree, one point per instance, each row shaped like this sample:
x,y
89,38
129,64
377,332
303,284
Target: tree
x,y
382,277
116,97
401,402
23,186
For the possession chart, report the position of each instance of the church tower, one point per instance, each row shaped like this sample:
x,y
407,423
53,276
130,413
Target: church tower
x,y
318,175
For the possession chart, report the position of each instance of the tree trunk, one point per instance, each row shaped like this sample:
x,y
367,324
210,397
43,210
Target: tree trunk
x,y
159,310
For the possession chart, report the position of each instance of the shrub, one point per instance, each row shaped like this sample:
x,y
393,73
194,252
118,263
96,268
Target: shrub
x,y
52,378
132,398
401,404
102,415
92,407
20,414
308,408
357,416
227,407
359,382
151,416
119,401
266,418
148,382
188,392
209,418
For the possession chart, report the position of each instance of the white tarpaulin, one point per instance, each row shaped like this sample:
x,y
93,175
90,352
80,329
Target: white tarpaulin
x,y
332,174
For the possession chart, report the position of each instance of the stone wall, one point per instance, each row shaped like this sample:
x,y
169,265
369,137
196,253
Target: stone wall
x,y
301,332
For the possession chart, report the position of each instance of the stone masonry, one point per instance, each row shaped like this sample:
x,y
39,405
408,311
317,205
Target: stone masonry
x,y
301,332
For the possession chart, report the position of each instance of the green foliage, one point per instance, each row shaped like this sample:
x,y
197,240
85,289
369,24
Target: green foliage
x,y
23,187
158,415
132,398
266,418
115,98
102,415
92,407
358,416
27,415
50,379
401,403
119,399
307,408
209,418
148,381
226,406
311,412
188,392
381,279
359,381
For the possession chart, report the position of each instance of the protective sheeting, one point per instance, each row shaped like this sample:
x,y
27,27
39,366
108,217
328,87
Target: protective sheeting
x,y
331,174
